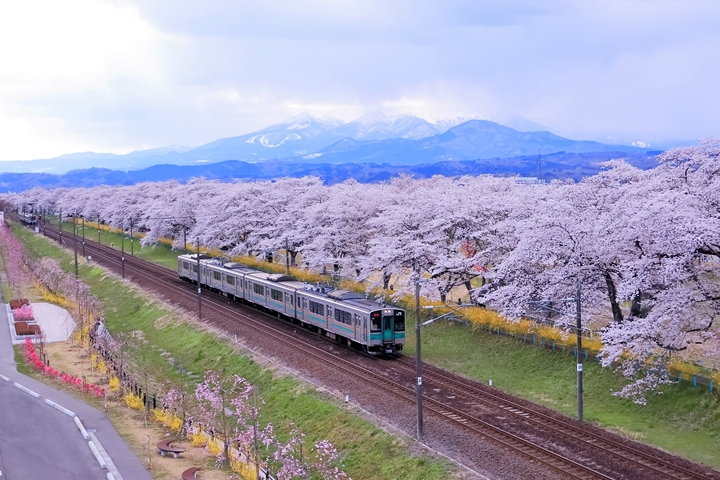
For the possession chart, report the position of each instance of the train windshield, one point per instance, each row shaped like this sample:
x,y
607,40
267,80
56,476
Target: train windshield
x,y
375,322
399,321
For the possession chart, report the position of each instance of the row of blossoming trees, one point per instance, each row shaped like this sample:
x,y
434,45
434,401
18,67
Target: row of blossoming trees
x,y
224,416
644,244
55,284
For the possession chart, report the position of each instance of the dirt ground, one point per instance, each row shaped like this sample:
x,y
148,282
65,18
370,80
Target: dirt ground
x,y
142,436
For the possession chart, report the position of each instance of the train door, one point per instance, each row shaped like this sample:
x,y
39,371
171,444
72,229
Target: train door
x,y
388,326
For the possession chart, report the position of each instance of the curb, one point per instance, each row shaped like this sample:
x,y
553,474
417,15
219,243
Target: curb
x,y
98,457
58,407
81,428
27,390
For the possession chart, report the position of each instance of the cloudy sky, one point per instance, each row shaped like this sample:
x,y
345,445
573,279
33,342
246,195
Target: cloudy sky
x,y
116,76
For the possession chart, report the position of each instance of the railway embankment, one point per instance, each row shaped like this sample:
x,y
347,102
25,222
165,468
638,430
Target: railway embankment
x,y
165,346
512,368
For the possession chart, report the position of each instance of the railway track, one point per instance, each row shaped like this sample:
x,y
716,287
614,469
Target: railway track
x,y
166,281
470,391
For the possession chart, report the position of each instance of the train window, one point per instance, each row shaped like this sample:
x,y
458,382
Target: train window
x,y
358,320
276,295
375,322
230,280
259,289
195,268
399,321
343,316
291,300
317,308
186,265
217,276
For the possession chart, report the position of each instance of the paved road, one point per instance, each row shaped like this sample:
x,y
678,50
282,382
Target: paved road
x,y
40,442
37,441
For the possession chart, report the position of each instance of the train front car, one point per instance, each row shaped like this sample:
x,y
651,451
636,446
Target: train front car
x,y
387,331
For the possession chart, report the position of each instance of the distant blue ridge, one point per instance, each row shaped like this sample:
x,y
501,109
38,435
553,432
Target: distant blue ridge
x,y
558,165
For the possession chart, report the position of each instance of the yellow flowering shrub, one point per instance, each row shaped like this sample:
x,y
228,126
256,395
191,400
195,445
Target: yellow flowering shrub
x,y
199,439
215,446
160,415
102,367
173,422
133,401
245,470
114,383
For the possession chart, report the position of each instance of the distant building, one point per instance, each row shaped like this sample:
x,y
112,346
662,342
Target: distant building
x,y
529,181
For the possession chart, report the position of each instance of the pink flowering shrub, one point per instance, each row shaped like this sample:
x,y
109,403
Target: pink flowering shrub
x,y
32,358
23,314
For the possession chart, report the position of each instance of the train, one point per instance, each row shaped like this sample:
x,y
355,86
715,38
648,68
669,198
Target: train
x,y
28,218
342,315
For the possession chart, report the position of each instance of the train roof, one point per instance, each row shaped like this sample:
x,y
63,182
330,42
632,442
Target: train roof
x,y
347,297
194,256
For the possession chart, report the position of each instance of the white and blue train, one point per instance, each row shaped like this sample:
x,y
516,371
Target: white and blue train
x,y
344,316
27,217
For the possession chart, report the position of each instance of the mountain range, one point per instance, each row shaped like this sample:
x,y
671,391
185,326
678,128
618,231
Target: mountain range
x,y
554,166
375,138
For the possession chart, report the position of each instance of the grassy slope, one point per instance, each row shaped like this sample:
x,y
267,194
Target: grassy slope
x,y
682,419
369,452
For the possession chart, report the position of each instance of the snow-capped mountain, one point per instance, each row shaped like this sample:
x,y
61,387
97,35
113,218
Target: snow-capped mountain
x,y
288,137
376,137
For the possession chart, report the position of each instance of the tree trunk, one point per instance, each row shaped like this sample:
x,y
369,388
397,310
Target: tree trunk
x,y
386,280
293,257
636,307
612,295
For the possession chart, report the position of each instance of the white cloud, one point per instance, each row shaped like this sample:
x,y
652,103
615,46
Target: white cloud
x,y
122,75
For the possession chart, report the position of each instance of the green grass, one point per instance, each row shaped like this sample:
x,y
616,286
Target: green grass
x,y
368,452
681,419
160,253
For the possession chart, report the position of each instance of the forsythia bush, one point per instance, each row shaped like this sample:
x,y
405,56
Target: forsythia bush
x,y
215,446
114,384
133,401
55,298
170,420
239,465
198,439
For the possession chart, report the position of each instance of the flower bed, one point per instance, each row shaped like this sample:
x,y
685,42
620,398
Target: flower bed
x,y
32,358
23,314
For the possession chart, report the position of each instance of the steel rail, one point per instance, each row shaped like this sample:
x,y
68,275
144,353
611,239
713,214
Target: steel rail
x,y
139,267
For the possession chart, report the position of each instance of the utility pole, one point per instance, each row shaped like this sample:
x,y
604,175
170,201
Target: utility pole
x,y
198,281
579,352
98,227
418,361
75,243
132,251
60,226
83,235
122,247
287,257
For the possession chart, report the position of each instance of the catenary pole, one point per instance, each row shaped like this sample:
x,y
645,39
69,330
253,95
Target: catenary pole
x,y
198,281
579,353
122,247
75,243
287,257
418,361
